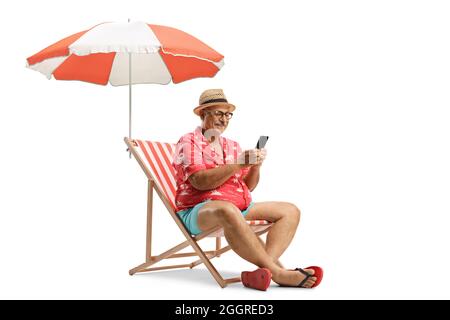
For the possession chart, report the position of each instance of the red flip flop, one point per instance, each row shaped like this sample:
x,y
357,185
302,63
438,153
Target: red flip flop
x,y
318,273
258,279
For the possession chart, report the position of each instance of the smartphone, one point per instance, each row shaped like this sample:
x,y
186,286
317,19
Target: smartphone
x,y
262,142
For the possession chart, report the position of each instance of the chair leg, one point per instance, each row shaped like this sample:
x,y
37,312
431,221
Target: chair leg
x,y
216,254
176,266
148,251
216,275
218,245
204,258
162,256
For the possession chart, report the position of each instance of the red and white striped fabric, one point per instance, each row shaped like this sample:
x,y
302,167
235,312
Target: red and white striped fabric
x,y
158,157
101,54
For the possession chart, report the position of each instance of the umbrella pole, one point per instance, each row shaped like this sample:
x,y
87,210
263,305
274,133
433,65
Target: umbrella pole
x,y
129,97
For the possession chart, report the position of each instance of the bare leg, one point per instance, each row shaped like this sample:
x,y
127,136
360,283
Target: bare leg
x,y
244,242
274,259
285,217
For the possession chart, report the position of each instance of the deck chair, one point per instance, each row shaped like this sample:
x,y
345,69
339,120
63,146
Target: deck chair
x,y
155,159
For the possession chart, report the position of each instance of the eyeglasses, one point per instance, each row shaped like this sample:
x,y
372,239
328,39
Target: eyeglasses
x,y
220,114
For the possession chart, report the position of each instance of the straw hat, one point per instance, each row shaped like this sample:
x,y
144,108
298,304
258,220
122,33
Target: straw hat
x,y
213,97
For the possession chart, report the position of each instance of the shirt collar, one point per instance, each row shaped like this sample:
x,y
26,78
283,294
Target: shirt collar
x,y
205,145
198,133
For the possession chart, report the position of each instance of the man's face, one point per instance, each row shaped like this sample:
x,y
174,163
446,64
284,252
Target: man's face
x,y
215,117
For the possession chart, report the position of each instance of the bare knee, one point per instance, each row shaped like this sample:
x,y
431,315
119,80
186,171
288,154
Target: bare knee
x,y
292,212
228,213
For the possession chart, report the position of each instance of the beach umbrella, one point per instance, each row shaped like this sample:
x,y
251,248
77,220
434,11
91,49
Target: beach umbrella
x,y
127,53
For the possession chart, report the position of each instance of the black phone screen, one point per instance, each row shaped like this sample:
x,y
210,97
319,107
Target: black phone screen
x,y
262,142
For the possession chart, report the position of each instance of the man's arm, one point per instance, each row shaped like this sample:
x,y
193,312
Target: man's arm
x,y
252,177
209,179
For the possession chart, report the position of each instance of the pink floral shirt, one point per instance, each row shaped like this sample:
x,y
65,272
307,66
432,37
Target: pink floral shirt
x,y
192,154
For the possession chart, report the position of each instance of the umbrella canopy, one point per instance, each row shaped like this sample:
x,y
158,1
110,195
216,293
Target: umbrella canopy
x,y
123,53
101,54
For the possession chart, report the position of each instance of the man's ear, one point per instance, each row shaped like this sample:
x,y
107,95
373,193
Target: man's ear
x,y
202,115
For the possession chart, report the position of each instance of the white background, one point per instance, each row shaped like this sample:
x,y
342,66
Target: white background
x,y
353,94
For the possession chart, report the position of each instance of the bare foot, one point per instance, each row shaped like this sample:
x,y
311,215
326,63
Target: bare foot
x,y
292,278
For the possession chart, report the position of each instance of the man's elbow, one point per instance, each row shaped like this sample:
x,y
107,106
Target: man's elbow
x,y
249,185
197,182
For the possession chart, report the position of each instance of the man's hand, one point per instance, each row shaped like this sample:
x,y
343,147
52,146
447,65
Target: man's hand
x,y
252,157
256,157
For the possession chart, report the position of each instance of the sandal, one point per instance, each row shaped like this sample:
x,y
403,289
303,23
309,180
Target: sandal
x,y
318,273
258,279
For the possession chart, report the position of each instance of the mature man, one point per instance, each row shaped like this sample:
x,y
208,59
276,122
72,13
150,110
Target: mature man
x,y
214,180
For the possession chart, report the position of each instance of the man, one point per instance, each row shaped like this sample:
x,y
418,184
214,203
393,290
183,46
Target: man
x,y
214,180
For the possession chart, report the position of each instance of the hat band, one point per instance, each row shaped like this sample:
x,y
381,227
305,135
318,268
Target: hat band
x,y
215,100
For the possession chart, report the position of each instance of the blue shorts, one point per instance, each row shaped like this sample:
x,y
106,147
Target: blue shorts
x,y
190,217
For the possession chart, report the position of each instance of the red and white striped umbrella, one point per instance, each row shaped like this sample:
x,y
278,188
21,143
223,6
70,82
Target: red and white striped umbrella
x,y
126,54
